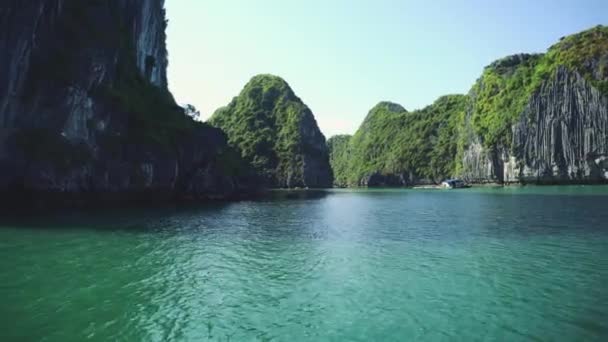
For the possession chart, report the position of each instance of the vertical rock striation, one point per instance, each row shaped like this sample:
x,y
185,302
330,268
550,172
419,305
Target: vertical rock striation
x,y
530,118
542,118
562,135
85,110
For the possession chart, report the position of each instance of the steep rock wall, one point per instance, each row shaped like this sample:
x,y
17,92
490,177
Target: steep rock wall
x,y
561,137
85,110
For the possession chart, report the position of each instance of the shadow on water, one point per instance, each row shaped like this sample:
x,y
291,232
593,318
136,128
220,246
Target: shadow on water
x,y
286,194
135,217
497,207
129,217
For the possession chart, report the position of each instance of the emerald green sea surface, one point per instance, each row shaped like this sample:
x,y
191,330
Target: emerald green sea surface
x,y
502,264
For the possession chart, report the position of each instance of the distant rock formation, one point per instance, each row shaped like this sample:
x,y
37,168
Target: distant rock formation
x,y
540,118
339,158
394,147
277,133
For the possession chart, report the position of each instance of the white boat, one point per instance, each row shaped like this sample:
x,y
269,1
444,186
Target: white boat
x,y
454,184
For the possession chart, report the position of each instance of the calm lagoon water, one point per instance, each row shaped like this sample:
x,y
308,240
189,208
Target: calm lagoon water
x,y
512,264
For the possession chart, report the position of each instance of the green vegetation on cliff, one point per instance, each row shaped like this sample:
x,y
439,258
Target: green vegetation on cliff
x,y
153,115
505,87
150,111
585,52
500,95
374,145
400,147
88,114
393,141
277,133
339,158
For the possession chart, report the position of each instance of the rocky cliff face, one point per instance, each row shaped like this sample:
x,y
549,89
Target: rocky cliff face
x,y
530,118
67,44
560,134
85,110
394,147
277,133
561,137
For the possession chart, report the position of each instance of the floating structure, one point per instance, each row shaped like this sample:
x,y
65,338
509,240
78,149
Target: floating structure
x,y
454,184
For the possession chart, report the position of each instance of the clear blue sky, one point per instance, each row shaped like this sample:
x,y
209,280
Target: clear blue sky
x,y
342,57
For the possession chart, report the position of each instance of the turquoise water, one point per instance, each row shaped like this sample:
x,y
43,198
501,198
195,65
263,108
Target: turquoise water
x,y
513,264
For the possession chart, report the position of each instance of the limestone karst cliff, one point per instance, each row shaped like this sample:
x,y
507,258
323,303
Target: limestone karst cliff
x,y
339,158
530,118
542,118
85,109
394,147
85,112
277,133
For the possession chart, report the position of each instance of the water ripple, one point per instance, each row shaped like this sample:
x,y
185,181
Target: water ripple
x,y
353,266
